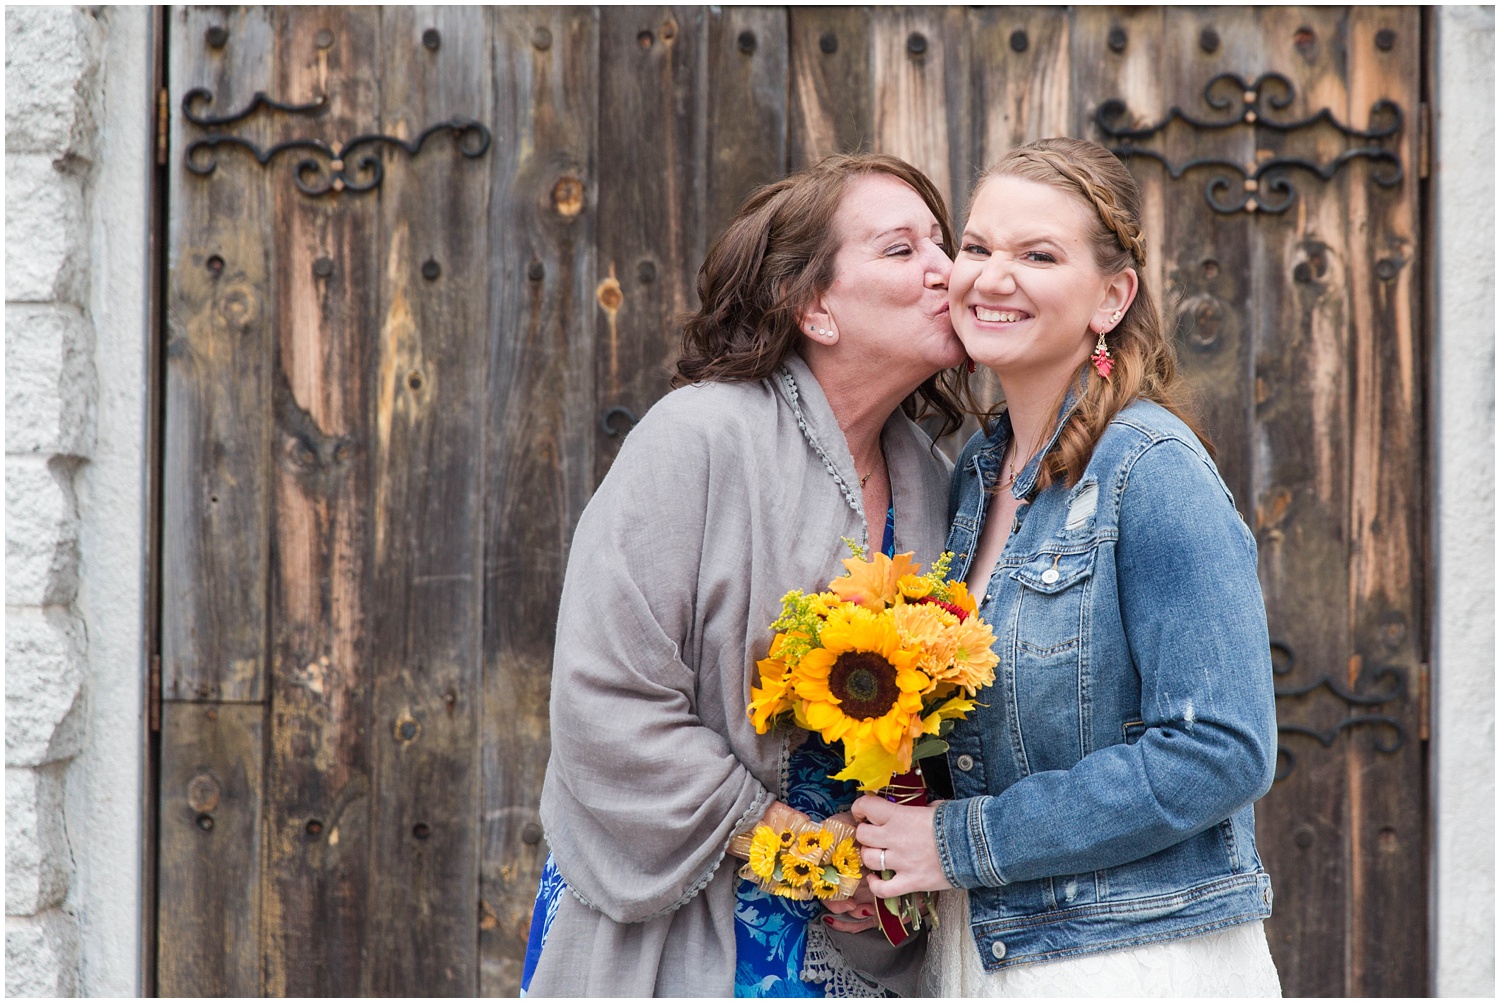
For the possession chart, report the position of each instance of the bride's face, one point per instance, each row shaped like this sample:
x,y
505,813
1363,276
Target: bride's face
x,y
1027,296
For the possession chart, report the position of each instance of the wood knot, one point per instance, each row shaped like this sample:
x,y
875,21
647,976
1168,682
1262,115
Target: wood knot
x,y
567,196
203,793
610,296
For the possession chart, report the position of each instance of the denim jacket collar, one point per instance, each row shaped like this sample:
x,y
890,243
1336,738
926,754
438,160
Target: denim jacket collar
x,y
987,460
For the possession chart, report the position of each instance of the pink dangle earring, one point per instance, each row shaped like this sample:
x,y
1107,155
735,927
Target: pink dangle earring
x,y
1103,364
1101,360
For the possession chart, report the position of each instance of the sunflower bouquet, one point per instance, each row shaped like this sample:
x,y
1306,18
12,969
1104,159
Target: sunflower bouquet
x,y
884,662
801,860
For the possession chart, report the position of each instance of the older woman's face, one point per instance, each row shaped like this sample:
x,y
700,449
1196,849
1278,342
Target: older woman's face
x,y
889,298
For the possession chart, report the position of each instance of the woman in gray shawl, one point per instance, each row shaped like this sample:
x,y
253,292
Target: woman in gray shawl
x,y
823,333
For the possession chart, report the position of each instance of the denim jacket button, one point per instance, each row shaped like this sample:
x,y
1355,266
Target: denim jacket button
x,y
966,762
998,950
1049,576
1266,895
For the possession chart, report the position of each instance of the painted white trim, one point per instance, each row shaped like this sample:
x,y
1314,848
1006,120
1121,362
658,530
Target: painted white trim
x,y
1463,410
105,781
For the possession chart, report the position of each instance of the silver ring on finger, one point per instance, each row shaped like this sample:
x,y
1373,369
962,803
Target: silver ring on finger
x,y
882,858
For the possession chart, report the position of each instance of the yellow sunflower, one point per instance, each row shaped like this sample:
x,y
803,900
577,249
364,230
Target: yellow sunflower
x,y
814,845
786,838
764,846
846,859
798,871
862,683
872,583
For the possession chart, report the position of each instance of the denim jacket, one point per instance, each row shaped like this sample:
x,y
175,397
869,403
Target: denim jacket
x,y
1102,793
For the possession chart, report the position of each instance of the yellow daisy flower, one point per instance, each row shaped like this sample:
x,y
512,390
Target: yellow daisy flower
x,y
846,859
765,844
814,845
798,871
823,886
786,838
974,657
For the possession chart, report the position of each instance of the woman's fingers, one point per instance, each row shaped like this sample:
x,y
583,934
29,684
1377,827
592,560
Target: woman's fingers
x,y
871,808
851,925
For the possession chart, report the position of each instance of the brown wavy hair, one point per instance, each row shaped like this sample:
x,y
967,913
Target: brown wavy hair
x,y
776,257
1145,360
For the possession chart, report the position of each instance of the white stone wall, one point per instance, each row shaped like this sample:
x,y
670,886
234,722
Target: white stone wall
x,y
76,167
1463,655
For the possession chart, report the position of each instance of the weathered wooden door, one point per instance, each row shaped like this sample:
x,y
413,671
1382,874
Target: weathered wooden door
x,y
423,265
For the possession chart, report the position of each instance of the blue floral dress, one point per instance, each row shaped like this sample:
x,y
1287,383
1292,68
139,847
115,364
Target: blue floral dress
x,y
770,932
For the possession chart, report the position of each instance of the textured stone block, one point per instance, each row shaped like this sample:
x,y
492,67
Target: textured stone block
x,y
52,61
44,671
50,384
45,234
41,955
36,843
41,532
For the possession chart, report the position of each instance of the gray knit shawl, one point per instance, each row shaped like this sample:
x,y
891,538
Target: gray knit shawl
x,y
724,497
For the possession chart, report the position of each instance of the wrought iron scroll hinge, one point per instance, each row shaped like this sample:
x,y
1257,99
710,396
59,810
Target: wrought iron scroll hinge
x,y
1388,685
354,165
1261,185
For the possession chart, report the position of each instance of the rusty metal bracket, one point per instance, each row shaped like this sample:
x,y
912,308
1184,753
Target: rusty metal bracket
x,y
1391,685
1265,185
353,166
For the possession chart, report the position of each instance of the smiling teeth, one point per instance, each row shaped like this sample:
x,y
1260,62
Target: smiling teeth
x,y
996,316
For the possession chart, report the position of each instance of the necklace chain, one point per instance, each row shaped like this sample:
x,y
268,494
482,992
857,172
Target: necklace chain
x,y
854,501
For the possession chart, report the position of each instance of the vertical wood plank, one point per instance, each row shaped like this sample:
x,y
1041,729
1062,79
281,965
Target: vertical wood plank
x,y
746,126
432,275
1022,81
1388,838
652,197
909,68
829,94
317,884
220,318
209,851
1020,91
1211,300
1300,303
541,424
1135,76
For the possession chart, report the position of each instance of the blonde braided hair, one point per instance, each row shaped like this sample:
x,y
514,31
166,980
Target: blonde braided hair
x,y
1100,196
1145,362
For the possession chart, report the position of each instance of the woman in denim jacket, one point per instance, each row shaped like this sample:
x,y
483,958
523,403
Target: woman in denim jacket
x,y
1100,838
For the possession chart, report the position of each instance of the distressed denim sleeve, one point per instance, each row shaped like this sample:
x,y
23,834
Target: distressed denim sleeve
x,y
1192,609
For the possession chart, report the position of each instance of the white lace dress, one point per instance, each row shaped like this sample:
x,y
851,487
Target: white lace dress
x,y
1235,961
